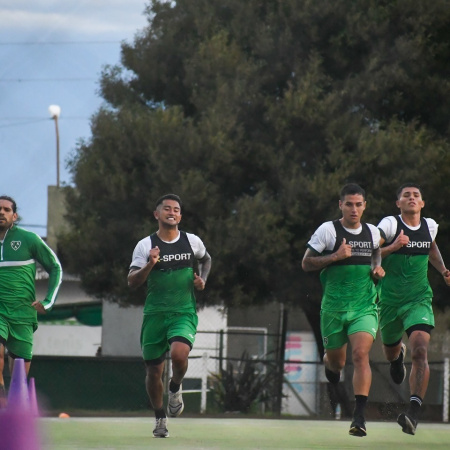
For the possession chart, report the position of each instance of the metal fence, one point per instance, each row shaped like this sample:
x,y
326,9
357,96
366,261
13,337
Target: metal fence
x,y
299,387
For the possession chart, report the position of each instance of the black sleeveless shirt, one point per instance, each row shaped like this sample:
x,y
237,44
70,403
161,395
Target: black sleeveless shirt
x,y
362,245
419,240
177,255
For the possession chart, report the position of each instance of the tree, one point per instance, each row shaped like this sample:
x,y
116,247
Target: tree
x,y
256,113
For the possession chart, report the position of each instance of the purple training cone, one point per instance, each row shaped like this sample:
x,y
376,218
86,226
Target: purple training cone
x,y
18,431
33,399
18,398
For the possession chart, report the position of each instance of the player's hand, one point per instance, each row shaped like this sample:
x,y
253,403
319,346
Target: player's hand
x,y
199,283
344,251
446,275
378,272
401,241
39,307
154,255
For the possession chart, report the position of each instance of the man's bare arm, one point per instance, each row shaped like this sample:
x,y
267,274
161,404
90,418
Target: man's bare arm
x,y
138,275
437,262
314,261
204,266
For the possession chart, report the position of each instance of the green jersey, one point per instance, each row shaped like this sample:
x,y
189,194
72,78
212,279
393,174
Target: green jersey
x,y
19,252
170,284
406,278
347,284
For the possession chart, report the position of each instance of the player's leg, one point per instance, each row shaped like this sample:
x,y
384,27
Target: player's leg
x,y
179,353
12,359
2,381
20,345
334,360
361,343
334,336
395,353
182,331
392,329
155,390
418,322
420,372
154,347
362,330
419,339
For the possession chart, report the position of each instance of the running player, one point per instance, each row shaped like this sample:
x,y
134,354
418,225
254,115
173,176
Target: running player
x,y
19,251
405,294
347,252
166,261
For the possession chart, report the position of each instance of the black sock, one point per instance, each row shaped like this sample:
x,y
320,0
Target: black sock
x,y
174,387
415,402
160,413
360,404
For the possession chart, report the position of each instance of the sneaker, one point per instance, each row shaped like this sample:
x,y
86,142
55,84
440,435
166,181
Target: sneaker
x,y
407,423
161,430
176,405
332,377
398,369
358,427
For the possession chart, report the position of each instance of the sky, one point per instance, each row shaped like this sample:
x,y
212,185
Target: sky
x,y
52,53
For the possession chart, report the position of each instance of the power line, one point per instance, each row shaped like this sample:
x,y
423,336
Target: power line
x,y
26,80
32,226
62,43
29,121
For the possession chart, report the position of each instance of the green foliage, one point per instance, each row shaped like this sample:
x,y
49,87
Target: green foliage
x,y
256,113
245,386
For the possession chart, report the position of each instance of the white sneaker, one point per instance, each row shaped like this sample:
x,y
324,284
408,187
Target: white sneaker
x,y
175,406
161,430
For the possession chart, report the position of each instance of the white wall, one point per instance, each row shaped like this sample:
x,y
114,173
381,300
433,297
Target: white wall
x,y
122,327
70,339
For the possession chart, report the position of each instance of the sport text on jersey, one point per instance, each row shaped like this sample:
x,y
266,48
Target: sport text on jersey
x,y
361,248
175,257
418,244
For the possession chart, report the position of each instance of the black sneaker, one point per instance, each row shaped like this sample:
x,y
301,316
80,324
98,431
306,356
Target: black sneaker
x,y
332,377
407,423
398,369
358,427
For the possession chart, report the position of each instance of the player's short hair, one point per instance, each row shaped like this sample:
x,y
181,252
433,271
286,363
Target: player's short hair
x,y
405,185
352,189
10,199
169,197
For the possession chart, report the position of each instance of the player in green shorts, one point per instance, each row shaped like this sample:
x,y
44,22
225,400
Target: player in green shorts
x,y
347,253
405,294
166,261
19,251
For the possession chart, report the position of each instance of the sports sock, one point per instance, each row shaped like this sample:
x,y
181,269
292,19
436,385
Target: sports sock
x,y
160,413
174,387
415,402
360,404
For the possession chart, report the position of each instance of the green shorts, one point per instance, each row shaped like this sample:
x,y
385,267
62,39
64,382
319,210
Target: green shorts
x,y
18,337
159,328
336,326
394,320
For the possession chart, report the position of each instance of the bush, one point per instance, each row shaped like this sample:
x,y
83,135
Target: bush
x,y
242,388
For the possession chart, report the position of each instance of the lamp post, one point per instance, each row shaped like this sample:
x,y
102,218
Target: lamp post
x,y
55,111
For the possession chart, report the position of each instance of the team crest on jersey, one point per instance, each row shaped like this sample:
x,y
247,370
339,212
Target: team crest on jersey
x,y
15,245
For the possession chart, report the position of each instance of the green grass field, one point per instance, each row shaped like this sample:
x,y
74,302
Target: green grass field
x,y
233,433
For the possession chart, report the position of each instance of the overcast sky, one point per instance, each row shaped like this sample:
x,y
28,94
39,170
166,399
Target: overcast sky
x,y
52,52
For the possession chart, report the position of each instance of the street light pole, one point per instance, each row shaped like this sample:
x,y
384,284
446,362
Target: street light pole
x,y
55,111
